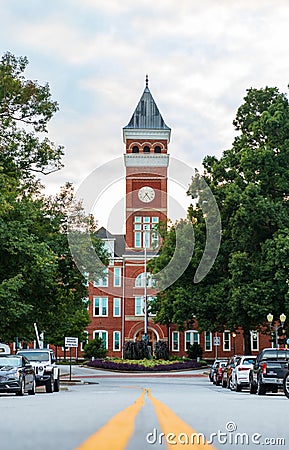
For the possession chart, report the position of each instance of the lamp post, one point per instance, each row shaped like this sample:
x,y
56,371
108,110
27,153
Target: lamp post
x,y
270,319
234,334
145,296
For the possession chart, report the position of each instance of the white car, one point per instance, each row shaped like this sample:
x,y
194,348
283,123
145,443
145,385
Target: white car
x,y
240,374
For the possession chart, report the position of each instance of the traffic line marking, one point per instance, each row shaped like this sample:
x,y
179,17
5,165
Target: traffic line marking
x,y
174,427
115,434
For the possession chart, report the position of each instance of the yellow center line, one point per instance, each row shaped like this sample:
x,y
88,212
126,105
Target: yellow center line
x,y
115,434
177,433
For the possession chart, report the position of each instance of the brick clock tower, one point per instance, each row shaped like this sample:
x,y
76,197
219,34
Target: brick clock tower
x,y
146,139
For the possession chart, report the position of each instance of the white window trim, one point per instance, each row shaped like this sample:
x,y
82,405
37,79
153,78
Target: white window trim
x,y
227,349
117,268
178,341
101,331
102,281
252,340
142,306
116,315
193,333
211,341
100,306
82,342
116,349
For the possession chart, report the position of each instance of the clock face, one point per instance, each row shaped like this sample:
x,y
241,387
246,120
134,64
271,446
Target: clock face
x,y
146,194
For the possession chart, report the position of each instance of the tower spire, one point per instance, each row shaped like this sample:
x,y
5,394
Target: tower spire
x,y
147,81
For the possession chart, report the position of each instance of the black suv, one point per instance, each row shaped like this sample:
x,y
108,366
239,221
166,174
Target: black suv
x,y
269,370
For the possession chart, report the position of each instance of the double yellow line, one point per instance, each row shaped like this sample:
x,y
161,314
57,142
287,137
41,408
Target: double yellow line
x,y
115,434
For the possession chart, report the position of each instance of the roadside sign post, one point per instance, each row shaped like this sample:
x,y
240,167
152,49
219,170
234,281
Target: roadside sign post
x,y
217,342
70,342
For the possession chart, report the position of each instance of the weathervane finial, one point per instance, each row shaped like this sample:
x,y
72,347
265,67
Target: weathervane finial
x,y
147,81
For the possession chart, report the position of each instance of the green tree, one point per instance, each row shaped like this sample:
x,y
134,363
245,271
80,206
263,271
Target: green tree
x,y
94,349
250,184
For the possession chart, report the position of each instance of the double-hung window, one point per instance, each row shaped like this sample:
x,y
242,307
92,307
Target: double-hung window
x,y
100,306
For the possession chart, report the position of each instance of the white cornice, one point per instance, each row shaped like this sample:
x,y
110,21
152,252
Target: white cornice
x,y
146,160
139,133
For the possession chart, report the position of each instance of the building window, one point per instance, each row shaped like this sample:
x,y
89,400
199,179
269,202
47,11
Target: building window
x,y
135,149
151,300
226,341
116,341
146,220
139,306
175,341
116,307
137,219
85,341
191,338
102,334
140,280
117,277
146,149
100,306
254,341
103,281
137,239
157,149
155,220
208,341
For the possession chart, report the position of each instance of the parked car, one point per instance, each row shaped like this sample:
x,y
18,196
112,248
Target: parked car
x,y
212,369
227,372
286,384
269,370
240,374
46,371
16,375
218,372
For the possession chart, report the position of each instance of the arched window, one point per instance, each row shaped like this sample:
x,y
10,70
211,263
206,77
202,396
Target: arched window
x,y
135,149
157,149
140,280
146,149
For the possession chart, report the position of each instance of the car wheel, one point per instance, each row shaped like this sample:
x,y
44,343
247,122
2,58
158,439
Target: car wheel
x,y
224,384
21,391
253,388
230,384
33,389
261,389
56,385
50,385
286,385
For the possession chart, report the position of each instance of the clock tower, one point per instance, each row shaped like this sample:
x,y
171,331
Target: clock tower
x,y
146,138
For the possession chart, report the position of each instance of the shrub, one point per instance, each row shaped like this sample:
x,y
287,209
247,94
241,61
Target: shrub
x,y
195,351
95,349
129,367
161,350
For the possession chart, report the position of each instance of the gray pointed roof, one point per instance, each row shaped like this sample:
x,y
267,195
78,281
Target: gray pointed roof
x,y
147,115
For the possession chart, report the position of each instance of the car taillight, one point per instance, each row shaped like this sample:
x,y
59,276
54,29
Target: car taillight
x,y
264,368
243,368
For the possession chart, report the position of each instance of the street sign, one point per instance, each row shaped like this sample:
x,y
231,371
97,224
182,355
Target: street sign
x,y
71,342
217,340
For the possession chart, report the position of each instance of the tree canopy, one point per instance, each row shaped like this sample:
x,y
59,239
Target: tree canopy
x,y
39,280
250,183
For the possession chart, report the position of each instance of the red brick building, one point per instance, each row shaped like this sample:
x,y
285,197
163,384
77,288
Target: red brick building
x,y
118,301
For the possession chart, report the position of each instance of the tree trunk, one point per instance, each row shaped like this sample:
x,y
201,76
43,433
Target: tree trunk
x,y
247,342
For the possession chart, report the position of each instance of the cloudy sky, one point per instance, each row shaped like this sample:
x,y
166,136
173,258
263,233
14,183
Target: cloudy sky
x,y
201,56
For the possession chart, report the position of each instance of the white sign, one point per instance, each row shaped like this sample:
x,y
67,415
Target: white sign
x,y
71,342
217,340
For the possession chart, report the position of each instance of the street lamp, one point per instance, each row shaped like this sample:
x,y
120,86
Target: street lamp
x,y
234,334
282,319
145,296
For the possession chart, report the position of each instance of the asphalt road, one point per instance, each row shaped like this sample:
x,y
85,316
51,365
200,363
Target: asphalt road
x,y
119,411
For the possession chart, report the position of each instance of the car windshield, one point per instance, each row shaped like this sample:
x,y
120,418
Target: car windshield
x,y
276,354
10,362
248,361
36,356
